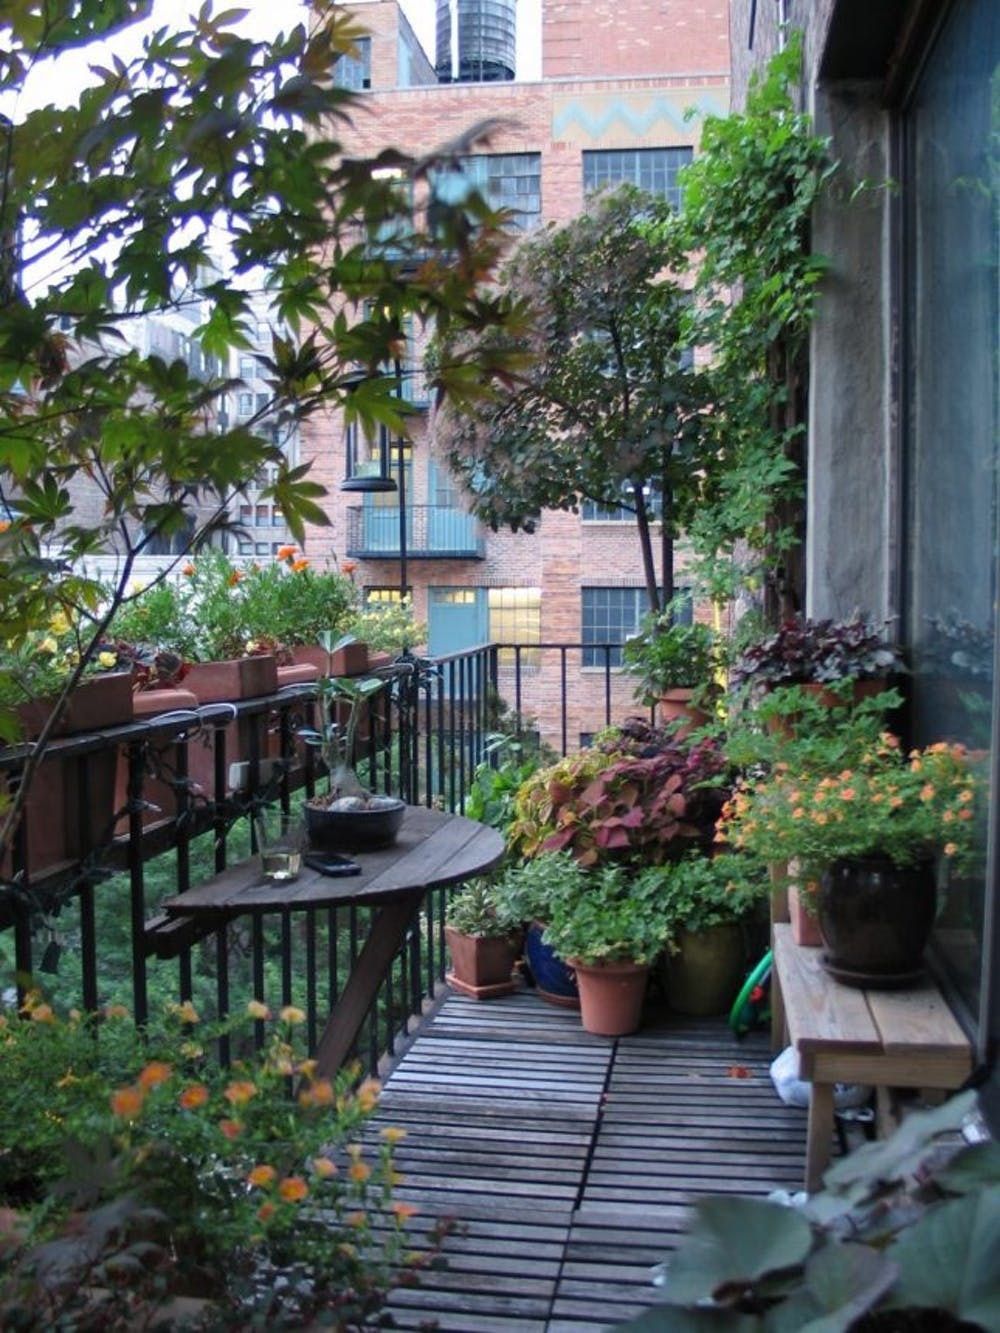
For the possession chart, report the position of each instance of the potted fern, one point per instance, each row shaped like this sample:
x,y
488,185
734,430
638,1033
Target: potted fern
x,y
484,942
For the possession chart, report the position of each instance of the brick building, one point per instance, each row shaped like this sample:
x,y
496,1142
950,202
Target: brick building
x,y
611,106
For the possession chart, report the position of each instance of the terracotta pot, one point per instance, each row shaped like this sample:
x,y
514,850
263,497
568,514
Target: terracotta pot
x,y
235,678
351,660
482,963
705,974
160,794
297,673
611,996
676,706
57,830
863,689
876,918
805,922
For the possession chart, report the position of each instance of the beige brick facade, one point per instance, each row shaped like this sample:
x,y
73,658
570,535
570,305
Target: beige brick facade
x,y
616,77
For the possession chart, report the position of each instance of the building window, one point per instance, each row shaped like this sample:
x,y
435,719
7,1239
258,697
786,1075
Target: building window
x,y
651,169
244,404
355,71
515,617
505,180
592,512
377,598
248,367
609,616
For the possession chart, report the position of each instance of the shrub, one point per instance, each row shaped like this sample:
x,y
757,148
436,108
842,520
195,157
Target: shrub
x,y
478,911
526,892
816,650
618,917
669,656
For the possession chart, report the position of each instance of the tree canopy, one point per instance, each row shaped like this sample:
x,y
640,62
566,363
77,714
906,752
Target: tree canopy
x,y
113,208
604,403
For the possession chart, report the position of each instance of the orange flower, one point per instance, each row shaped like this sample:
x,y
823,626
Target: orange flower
x,y
293,1189
116,1011
193,1097
322,1093
262,1176
965,813
848,794
927,792
948,817
127,1102
285,553
155,1073
393,1134
404,1211
186,1012
950,848
349,566
299,565
240,1091
354,1220
235,576
231,1129
820,818
324,1168
798,813
965,797
266,1211
43,1013
368,1094
359,1171
4,524
895,802
188,570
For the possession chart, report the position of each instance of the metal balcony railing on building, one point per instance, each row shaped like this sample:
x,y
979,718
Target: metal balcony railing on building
x,y
433,532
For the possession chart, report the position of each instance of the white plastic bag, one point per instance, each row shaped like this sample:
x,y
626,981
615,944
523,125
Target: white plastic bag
x,y
795,1091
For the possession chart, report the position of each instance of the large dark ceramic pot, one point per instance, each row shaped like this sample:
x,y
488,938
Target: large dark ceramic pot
x,y
876,918
354,830
554,981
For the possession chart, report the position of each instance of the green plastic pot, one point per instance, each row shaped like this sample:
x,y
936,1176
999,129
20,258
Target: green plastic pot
x,y
702,978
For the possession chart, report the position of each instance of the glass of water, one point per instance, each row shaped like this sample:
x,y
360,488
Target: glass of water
x,y
279,843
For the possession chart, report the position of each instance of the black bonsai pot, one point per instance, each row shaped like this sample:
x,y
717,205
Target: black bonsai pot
x,y
361,828
876,918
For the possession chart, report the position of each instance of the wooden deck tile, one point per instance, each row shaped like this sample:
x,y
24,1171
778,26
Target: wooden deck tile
x,y
567,1161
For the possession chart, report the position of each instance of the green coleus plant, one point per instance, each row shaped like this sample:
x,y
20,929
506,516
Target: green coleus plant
x,y
905,1237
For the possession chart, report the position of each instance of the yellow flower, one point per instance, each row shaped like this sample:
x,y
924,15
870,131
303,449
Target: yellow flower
x,y
950,848
393,1134
291,1014
48,645
965,797
59,624
257,1009
107,660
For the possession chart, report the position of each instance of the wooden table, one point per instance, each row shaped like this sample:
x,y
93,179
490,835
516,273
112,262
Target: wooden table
x,y
432,850
890,1039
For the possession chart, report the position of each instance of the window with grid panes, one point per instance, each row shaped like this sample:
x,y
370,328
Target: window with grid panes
x,y
355,71
505,180
651,169
612,615
515,617
592,512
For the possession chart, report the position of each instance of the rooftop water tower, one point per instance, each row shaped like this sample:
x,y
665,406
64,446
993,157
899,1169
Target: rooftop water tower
x,y
475,40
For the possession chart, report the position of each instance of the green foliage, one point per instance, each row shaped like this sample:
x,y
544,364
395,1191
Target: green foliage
x,y
390,628
701,891
526,892
818,651
886,804
748,200
906,1234
478,910
343,702
289,602
214,1176
618,917
118,198
669,656
603,402
496,781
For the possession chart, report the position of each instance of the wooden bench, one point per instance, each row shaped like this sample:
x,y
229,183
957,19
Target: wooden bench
x,y
889,1039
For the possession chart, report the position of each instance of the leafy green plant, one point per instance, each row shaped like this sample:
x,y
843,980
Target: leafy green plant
x,y
890,804
343,702
702,891
605,807
618,917
526,892
480,911
496,781
668,655
822,651
290,602
218,1182
905,1236
388,629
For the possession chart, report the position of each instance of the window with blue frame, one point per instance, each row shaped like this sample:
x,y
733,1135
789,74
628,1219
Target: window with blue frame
x,y
355,71
651,169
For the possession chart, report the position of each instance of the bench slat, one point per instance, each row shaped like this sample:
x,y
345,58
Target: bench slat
x,y
821,1014
917,1022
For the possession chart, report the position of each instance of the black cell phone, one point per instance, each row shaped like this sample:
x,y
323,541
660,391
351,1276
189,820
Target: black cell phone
x,y
330,863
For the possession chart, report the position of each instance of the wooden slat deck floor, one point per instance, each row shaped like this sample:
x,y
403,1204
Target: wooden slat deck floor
x,y
568,1160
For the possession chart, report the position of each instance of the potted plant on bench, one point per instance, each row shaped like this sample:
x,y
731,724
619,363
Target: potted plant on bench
x,y
677,665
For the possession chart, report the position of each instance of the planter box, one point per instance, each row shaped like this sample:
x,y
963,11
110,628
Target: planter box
x,y
805,924
351,660
235,678
297,673
160,794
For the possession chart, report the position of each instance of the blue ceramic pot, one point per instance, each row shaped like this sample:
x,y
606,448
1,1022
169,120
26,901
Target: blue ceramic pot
x,y
554,981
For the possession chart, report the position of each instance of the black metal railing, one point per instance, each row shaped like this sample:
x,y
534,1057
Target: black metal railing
x,y
159,806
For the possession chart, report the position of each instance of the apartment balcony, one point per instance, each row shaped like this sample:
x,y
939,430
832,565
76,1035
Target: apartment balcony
x,y
433,532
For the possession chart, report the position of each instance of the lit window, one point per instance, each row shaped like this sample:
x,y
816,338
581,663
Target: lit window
x,y
377,598
651,169
515,617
